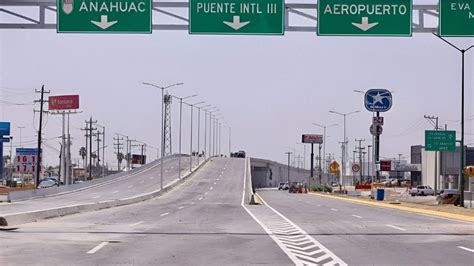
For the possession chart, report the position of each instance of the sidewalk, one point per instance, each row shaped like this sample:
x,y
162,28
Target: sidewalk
x,y
446,211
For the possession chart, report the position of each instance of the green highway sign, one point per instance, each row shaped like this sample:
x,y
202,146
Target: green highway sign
x,y
456,18
365,17
439,140
264,17
104,16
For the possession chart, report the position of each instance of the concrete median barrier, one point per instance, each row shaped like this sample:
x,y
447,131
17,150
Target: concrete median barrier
x,y
37,215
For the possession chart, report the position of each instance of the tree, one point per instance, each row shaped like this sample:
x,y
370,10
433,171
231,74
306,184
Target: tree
x,y
83,154
120,158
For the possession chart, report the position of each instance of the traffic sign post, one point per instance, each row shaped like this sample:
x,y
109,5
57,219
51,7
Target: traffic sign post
x,y
104,16
365,17
355,168
237,17
456,18
440,140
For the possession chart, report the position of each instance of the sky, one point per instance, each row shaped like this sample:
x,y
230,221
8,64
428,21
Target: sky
x,y
269,89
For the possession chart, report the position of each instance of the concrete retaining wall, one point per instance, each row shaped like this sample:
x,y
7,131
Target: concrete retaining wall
x,y
33,216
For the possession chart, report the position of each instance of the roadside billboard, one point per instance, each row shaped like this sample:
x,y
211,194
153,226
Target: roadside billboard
x,y
138,159
4,128
64,102
312,138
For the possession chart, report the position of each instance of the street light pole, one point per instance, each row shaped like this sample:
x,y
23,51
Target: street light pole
x,y
162,123
324,140
288,177
462,148
191,144
344,143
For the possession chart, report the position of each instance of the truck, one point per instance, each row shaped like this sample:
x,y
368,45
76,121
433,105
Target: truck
x,y
422,191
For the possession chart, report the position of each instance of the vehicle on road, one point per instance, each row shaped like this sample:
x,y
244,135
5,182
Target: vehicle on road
x,y
283,186
449,196
422,191
47,183
239,154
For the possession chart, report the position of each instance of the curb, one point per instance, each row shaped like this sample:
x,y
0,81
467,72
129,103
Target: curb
x,y
37,215
403,208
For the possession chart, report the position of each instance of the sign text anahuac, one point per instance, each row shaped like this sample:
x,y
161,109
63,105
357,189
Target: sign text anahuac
x,y
100,16
365,17
456,18
264,17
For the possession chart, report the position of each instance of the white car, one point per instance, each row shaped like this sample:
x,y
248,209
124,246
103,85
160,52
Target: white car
x,y
47,183
422,191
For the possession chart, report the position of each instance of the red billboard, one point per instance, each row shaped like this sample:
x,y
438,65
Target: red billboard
x,y
386,165
64,102
312,138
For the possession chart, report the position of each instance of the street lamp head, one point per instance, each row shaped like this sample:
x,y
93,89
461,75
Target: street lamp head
x,y
359,91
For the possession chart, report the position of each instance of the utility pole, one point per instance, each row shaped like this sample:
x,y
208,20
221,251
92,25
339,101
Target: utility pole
x,y
434,121
89,128
288,177
368,162
360,148
38,155
118,146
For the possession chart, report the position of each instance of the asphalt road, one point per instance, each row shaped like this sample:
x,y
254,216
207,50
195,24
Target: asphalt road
x,y
138,183
367,235
200,222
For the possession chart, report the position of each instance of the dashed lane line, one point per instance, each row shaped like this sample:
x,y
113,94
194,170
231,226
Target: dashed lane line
x,y
200,198
130,186
96,197
356,216
396,227
138,223
181,207
467,249
335,210
211,188
97,248
115,192
143,181
164,214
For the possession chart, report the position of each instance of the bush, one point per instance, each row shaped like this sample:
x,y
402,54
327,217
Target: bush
x,y
321,188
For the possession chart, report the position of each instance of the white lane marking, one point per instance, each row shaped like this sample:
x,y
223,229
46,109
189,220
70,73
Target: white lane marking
x,y
97,248
152,177
308,202
141,182
467,249
164,214
396,227
356,216
130,186
332,209
135,224
293,256
215,183
206,193
217,179
181,207
200,198
96,197
192,203
211,188
116,191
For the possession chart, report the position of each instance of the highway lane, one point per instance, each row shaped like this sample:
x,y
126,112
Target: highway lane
x,y
141,182
367,235
200,222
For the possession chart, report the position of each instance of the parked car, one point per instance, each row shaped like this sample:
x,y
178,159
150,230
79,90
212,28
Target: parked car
x,y
283,186
448,195
422,191
47,183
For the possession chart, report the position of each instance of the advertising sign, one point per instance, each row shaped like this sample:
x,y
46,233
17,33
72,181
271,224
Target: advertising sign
x,y
312,138
26,159
138,159
64,102
386,165
378,100
4,128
